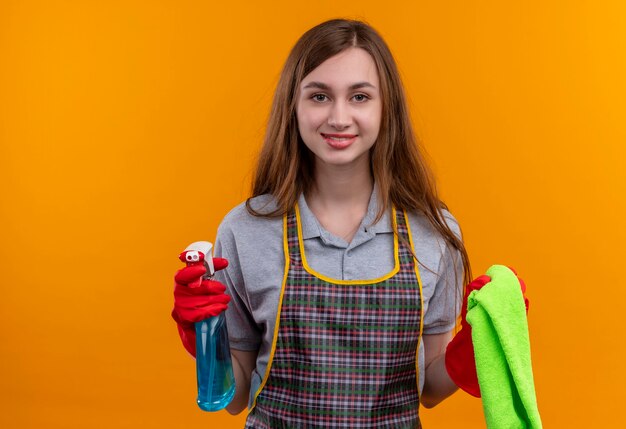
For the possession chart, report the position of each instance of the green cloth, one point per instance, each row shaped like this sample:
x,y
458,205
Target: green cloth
x,y
497,315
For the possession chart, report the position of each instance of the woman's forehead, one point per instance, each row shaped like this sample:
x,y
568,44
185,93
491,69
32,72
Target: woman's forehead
x,y
352,68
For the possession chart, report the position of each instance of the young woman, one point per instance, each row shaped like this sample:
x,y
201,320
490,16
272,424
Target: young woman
x,y
345,269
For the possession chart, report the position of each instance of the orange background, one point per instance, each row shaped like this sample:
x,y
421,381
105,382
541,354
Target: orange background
x,y
129,128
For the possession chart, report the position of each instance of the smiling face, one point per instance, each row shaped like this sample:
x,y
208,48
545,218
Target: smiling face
x,y
339,109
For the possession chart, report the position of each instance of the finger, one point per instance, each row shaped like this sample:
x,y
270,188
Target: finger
x,y
215,299
189,310
189,274
219,308
179,320
206,287
185,317
214,309
220,263
185,297
192,316
194,284
478,283
212,287
198,314
198,292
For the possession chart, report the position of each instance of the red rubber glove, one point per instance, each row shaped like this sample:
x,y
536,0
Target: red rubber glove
x,y
196,299
460,360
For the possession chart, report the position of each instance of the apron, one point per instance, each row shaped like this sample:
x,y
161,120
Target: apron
x,y
344,352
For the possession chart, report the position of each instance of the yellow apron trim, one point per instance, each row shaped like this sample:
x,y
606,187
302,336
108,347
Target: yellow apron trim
x,y
349,282
277,323
419,281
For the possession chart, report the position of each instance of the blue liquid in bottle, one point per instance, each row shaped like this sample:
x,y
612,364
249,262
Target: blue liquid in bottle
x,y
216,381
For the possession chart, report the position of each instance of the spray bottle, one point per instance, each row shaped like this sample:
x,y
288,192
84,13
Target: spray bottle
x,y
216,381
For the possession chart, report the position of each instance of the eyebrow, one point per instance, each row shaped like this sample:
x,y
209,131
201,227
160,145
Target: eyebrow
x,y
320,85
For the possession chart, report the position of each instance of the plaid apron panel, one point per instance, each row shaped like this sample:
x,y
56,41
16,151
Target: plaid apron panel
x,y
345,354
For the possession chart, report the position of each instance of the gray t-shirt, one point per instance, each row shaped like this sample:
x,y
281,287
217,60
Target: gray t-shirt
x,y
254,248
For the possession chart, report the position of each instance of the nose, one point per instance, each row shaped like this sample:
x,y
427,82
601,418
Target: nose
x,y
339,115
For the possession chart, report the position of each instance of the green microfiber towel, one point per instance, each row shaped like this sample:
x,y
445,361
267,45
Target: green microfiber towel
x,y
497,315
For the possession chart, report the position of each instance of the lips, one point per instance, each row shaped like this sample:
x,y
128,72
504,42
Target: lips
x,y
339,141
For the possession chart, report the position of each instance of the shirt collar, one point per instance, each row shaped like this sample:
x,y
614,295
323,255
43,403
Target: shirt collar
x,y
311,227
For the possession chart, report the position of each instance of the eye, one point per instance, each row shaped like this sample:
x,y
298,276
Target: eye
x,y
319,97
360,97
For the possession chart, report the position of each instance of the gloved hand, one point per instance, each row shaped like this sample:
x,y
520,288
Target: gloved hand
x,y
460,361
196,299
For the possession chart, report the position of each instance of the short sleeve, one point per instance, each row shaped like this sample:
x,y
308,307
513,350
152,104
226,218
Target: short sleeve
x,y
445,304
243,333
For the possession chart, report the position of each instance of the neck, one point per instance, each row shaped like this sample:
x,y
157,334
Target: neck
x,y
341,187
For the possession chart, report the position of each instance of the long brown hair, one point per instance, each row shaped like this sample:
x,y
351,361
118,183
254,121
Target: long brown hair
x,y
285,165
